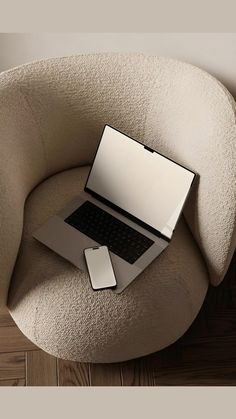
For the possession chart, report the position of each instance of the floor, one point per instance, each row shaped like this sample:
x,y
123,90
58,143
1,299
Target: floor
x,y
205,355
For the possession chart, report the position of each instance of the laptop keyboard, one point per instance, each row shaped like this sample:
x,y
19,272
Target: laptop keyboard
x,y
107,230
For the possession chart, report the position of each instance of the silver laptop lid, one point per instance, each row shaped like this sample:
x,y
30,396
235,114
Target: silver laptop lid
x,y
139,181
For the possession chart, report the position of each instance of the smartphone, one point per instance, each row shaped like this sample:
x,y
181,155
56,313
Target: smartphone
x,y
100,268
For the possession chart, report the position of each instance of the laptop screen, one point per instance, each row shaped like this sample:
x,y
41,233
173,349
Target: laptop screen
x,y
140,181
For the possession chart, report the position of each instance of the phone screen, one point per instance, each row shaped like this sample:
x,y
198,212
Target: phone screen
x,y
100,267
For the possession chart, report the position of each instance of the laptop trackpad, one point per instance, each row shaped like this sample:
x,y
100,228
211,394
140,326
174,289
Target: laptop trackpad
x,y
70,244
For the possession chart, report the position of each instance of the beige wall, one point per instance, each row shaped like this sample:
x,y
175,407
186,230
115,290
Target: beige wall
x,y
214,52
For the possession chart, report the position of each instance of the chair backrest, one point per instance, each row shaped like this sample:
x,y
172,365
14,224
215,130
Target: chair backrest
x,y
54,112
192,118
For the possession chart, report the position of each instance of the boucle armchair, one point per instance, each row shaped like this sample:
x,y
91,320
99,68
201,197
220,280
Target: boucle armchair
x,y
51,117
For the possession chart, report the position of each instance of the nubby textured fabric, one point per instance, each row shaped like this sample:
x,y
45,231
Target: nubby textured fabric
x,y
52,115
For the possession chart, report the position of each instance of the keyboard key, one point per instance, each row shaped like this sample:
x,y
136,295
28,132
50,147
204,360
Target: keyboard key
x,y
105,229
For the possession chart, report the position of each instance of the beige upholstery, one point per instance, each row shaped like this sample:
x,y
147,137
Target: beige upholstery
x,y
52,115
54,305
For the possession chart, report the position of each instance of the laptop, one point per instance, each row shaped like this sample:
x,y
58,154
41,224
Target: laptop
x,y
131,202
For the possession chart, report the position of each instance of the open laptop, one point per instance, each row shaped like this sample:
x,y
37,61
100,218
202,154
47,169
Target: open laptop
x,y
131,202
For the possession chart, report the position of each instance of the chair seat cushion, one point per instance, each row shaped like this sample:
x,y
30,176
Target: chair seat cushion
x,y
54,305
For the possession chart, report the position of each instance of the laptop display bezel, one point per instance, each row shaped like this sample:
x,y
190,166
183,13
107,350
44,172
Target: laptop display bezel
x,y
121,210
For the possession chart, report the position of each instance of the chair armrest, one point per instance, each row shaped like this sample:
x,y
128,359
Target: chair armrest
x,y
21,167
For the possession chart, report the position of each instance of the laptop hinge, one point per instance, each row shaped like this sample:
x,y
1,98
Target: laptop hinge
x,y
127,214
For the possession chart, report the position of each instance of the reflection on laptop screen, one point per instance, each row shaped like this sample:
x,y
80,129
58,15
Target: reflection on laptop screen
x,y
145,184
